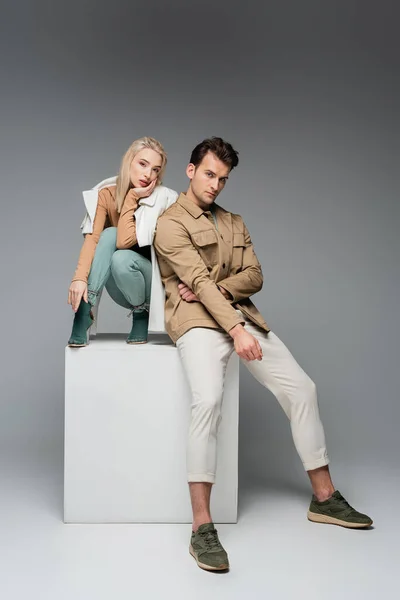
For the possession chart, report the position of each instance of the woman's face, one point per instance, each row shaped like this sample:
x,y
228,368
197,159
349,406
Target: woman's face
x,y
145,167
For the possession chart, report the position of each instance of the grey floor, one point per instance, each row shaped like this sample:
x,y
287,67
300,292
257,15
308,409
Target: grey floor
x,y
274,551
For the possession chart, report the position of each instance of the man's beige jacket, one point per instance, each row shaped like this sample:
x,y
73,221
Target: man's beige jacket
x,y
191,249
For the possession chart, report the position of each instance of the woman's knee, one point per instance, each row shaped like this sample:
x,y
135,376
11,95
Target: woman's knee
x,y
109,236
120,262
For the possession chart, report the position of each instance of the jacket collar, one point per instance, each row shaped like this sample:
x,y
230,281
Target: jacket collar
x,y
149,200
191,207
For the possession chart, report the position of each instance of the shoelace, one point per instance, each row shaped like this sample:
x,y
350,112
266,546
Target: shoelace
x,y
211,540
345,504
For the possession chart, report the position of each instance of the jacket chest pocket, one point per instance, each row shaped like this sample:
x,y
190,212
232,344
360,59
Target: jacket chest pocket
x,y
238,248
206,243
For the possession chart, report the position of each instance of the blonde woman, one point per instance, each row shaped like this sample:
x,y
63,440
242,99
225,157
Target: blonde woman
x,y
110,255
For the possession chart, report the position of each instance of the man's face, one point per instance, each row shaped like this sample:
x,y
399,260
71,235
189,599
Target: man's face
x,y
207,180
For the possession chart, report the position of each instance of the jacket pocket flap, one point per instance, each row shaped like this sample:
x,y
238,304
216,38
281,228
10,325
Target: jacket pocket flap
x,y
204,238
238,239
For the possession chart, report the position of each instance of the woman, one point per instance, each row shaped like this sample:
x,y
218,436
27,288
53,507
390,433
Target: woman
x,y
110,255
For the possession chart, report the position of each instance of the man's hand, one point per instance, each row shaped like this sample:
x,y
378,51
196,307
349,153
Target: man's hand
x,y
246,345
225,293
187,294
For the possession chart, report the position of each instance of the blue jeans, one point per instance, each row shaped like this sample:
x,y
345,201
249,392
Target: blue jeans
x,y
125,273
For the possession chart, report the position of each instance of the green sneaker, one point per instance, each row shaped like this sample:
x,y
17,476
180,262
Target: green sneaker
x,y
207,550
337,511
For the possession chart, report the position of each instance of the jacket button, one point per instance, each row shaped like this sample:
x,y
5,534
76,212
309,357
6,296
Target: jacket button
x,y
223,265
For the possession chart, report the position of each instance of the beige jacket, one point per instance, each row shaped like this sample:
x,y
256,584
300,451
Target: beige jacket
x,y
191,249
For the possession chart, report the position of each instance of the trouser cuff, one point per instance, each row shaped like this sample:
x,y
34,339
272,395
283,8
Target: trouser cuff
x,y
92,297
316,464
201,478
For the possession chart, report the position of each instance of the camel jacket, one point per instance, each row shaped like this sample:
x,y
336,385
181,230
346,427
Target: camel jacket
x,y
206,250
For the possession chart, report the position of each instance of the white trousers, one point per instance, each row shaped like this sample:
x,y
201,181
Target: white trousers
x,y
204,354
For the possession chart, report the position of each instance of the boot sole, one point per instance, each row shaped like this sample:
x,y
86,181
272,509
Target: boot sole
x,y
204,566
87,338
144,342
316,518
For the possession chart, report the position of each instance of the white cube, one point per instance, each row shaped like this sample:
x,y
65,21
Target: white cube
x,y
127,410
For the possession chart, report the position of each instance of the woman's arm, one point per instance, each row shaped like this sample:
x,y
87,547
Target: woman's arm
x,y
91,239
126,230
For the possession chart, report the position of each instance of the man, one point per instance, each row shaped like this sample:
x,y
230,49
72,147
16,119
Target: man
x,y
209,270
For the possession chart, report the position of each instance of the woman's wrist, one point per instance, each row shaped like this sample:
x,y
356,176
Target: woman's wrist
x,y
132,195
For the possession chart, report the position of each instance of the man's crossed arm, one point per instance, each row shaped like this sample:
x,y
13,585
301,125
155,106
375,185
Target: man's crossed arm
x,y
172,242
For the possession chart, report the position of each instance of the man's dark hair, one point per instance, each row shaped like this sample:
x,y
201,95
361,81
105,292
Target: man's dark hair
x,y
221,149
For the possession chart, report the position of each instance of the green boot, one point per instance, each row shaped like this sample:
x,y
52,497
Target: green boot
x,y
82,321
140,327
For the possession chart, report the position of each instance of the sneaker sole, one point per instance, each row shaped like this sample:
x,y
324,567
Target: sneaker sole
x,y
206,567
316,518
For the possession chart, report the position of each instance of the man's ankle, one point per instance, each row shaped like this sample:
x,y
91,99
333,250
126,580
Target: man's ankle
x,y
324,494
201,521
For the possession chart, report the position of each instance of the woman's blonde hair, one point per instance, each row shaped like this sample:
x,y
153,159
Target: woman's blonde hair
x,y
123,179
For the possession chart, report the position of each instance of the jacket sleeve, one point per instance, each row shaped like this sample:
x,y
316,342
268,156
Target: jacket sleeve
x,y
249,280
126,230
172,242
91,239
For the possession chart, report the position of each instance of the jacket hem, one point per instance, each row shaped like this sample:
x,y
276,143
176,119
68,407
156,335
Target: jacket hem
x,y
251,318
185,327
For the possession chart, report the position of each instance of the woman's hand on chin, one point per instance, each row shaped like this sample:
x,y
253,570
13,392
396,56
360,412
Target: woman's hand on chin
x,y
144,192
77,290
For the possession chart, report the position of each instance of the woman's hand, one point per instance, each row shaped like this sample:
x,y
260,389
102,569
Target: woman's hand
x,y
144,192
77,290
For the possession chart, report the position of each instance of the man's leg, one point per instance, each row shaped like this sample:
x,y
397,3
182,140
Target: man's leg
x,y
200,495
204,354
321,483
296,393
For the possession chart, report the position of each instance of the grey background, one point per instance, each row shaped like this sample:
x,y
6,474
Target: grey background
x,y
308,92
